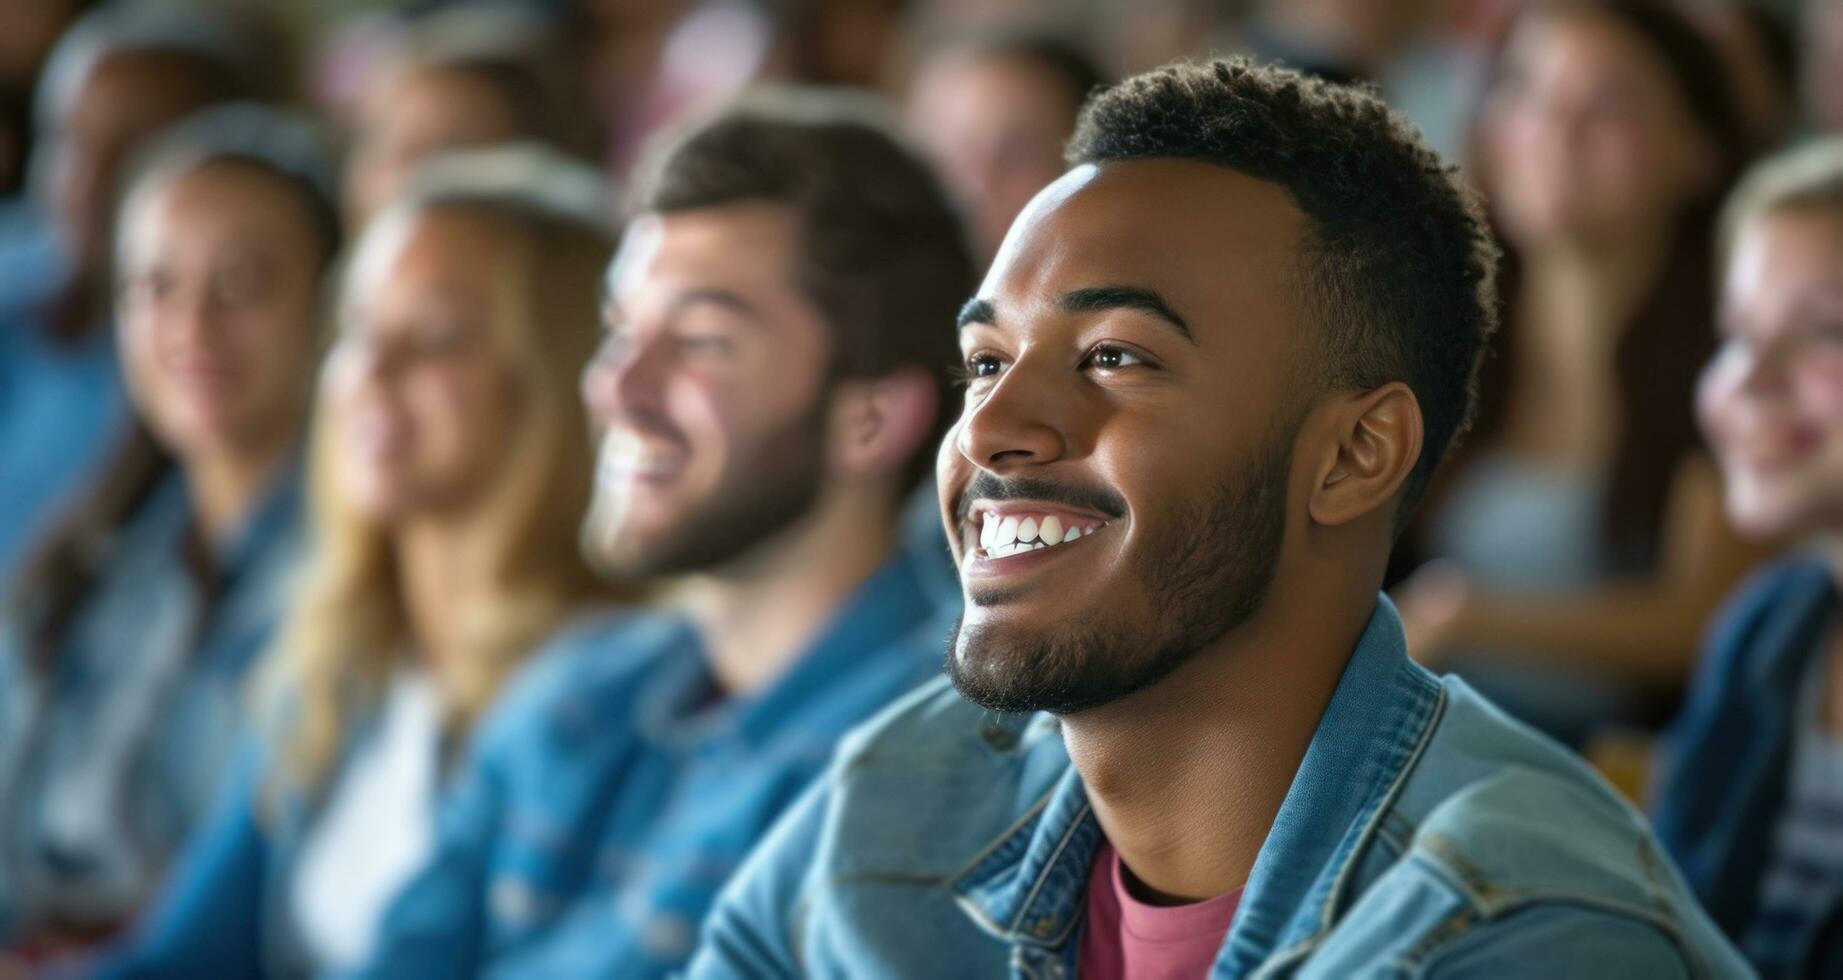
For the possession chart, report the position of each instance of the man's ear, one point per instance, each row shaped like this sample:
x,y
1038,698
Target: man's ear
x,y
879,424
1375,442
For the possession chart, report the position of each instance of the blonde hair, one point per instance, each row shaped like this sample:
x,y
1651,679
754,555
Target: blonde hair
x,y
1807,176
348,627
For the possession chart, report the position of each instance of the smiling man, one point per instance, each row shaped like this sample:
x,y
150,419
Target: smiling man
x,y
774,373
1208,375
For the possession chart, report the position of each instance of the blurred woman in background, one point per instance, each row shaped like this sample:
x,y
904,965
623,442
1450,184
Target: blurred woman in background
x,y
467,79
1750,800
993,114
125,644
450,467
1582,525
116,78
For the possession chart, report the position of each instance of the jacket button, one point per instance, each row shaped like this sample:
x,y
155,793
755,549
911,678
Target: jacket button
x,y
668,937
999,737
513,902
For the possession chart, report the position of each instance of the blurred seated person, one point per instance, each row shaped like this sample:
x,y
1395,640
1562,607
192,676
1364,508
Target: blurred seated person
x,y
779,330
1751,803
448,466
1581,522
28,32
994,114
117,78
466,78
125,643
1757,47
1410,49
1820,65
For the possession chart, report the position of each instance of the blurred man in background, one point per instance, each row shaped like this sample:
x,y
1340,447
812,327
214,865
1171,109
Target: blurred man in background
x,y
779,325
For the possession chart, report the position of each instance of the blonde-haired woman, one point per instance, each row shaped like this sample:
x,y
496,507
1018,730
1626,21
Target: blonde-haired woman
x,y
449,468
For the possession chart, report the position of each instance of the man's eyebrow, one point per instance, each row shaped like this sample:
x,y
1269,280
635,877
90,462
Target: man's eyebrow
x,y
976,311
714,296
1099,299
611,304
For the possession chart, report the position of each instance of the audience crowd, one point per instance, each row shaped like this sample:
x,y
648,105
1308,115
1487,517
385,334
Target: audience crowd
x,y
921,488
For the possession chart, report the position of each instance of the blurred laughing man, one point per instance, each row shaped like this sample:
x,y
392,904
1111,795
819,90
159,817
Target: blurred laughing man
x,y
779,332
1212,370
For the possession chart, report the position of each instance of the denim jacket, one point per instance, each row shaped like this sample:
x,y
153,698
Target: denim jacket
x,y
1724,782
111,757
1424,834
611,794
62,406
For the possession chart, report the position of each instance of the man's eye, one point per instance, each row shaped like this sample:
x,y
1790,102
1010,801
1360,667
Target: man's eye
x,y
1113,358
982,366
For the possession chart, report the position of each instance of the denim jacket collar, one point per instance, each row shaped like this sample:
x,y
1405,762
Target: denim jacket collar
x,y
673,710
1788,639
1028,886
270,527
277,511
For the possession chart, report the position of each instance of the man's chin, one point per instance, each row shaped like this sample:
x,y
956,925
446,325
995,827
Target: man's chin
x,y
1009,669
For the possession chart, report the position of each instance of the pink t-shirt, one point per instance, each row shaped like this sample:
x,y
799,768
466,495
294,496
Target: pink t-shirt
x,y
1126,939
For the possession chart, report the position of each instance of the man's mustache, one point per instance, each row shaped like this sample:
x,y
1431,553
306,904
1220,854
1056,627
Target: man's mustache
x,y
990,486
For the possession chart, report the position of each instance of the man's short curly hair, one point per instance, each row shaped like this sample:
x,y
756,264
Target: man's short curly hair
x,y
1399,264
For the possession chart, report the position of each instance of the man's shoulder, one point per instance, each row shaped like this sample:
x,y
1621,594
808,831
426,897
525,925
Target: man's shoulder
x,y
591,665
928,783
932,725
1503,803
1505,822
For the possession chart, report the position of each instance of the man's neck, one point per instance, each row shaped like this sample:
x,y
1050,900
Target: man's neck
x,y
1187,776
757,614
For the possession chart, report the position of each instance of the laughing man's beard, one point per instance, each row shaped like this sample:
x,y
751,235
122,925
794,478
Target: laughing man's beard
x,y
1204,576
774,487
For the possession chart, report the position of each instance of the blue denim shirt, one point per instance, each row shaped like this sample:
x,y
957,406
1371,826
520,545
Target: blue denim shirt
x,y
1425,834
613,793
1723,784
109,759
61,405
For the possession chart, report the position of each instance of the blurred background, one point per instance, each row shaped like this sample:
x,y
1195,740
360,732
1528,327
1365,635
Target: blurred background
x,y
1569,558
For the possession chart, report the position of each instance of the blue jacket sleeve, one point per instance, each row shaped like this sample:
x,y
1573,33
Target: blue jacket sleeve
x,y
752,933
208,919
1563,942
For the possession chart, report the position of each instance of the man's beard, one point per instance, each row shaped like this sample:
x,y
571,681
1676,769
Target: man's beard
x,y
1204,575
775,484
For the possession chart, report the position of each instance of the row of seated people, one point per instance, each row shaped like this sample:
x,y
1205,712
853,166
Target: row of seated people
x,y
762,414
1603,146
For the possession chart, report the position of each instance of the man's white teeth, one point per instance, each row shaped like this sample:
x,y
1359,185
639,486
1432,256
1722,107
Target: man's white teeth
x,y
1002,537
1050,530
1007,531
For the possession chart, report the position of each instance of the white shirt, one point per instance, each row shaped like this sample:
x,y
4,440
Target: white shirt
x,y
375,831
